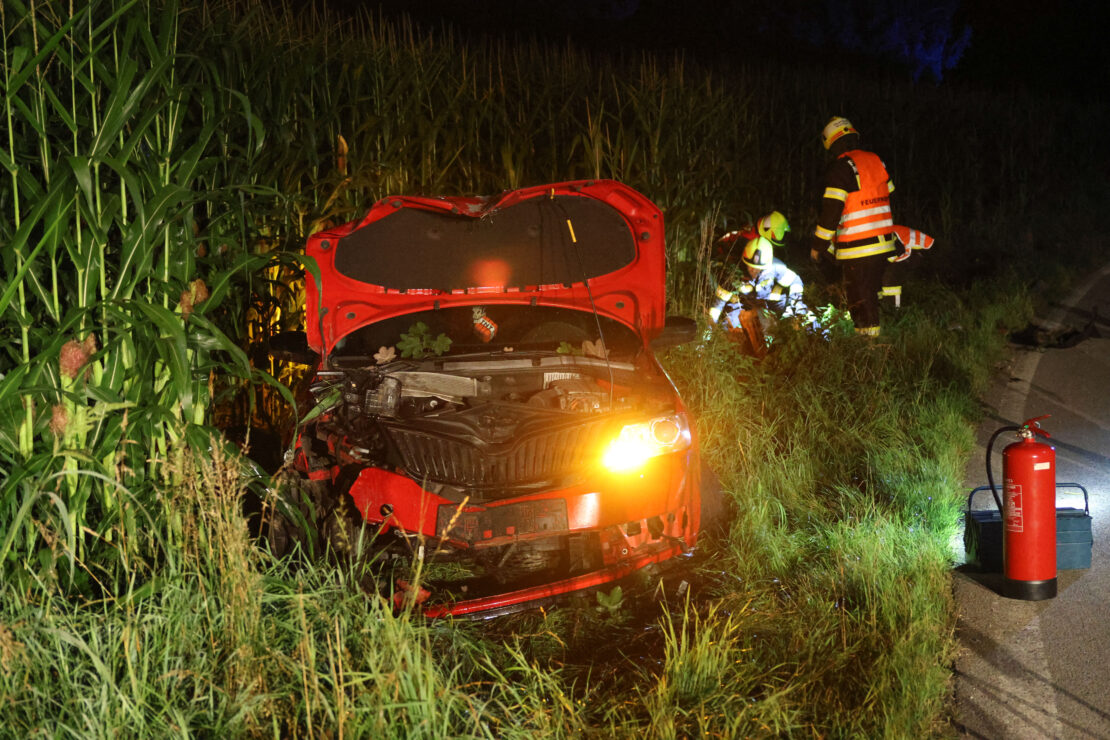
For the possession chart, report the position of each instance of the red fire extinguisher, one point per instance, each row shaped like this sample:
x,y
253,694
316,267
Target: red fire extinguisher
x,y
1029,515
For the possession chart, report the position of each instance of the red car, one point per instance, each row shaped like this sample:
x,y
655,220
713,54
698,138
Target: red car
x,y
488,395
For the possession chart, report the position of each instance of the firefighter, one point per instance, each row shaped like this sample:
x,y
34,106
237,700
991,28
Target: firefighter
x,y
772,227
767,290
854,224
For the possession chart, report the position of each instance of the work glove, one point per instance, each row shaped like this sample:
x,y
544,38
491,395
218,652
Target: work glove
x,y
901,252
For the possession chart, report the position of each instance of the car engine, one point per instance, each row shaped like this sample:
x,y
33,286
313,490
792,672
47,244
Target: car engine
x,y
491,428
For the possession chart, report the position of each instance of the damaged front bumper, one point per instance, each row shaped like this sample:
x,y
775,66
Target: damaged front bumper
x,y
582,536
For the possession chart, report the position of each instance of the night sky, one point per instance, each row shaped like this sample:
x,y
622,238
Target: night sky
x,y
1055,47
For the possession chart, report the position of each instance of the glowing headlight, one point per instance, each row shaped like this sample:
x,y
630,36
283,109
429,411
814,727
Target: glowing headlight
x,y
638,443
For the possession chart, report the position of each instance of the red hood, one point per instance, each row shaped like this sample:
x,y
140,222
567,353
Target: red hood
x,y
541,245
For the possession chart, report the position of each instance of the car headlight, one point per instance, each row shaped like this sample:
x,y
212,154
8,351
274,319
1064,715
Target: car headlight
x,y
637,443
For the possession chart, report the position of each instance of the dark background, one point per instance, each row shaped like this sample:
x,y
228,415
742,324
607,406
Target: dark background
x,y
1057,48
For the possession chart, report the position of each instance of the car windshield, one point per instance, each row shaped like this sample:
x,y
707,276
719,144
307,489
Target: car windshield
x,y
494,328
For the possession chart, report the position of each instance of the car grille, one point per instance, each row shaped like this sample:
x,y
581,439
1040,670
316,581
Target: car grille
x,y
534,458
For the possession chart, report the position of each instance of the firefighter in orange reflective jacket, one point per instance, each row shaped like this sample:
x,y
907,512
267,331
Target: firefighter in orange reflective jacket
x,y
855,225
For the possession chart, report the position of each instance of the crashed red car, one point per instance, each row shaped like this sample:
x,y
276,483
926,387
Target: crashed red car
x,y
489,392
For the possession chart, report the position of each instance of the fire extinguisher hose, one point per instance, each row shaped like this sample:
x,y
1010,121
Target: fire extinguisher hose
x,y
990,477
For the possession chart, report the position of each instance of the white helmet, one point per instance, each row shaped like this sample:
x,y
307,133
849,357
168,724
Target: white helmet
x,y
836,127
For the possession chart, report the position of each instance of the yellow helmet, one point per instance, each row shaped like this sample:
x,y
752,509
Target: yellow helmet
x,y
773,227
758,253
835,128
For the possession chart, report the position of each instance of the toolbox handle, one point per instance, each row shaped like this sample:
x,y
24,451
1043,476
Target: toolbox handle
x,y
1086,498
974,491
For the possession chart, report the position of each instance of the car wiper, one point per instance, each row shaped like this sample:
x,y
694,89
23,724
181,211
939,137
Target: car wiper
x,y
503,352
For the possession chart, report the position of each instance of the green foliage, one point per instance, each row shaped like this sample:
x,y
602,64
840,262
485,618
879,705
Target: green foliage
x,y
110,166
845,457
418,342
324,405
158,179
271,651
610,603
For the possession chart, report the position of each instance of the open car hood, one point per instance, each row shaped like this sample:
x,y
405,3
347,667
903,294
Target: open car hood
x,y
591,245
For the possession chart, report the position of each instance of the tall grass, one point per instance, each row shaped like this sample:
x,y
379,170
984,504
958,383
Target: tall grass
x,y
160,176
838,560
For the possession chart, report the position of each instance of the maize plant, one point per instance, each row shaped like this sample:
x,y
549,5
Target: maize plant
x,y
109,156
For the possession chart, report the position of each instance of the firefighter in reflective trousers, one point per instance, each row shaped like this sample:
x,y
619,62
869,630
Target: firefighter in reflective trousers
x,y
766,291
854,225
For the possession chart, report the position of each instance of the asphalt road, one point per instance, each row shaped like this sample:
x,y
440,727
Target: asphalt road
x,y
1042,669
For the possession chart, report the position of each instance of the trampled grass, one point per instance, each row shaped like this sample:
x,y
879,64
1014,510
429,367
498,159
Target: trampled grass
x,y
156,167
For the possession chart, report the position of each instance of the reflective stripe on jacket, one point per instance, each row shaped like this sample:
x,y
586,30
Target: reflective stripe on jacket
x,y
778,285
866,212
912,238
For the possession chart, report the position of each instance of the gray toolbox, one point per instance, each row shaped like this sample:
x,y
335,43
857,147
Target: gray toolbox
x,y
983,534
